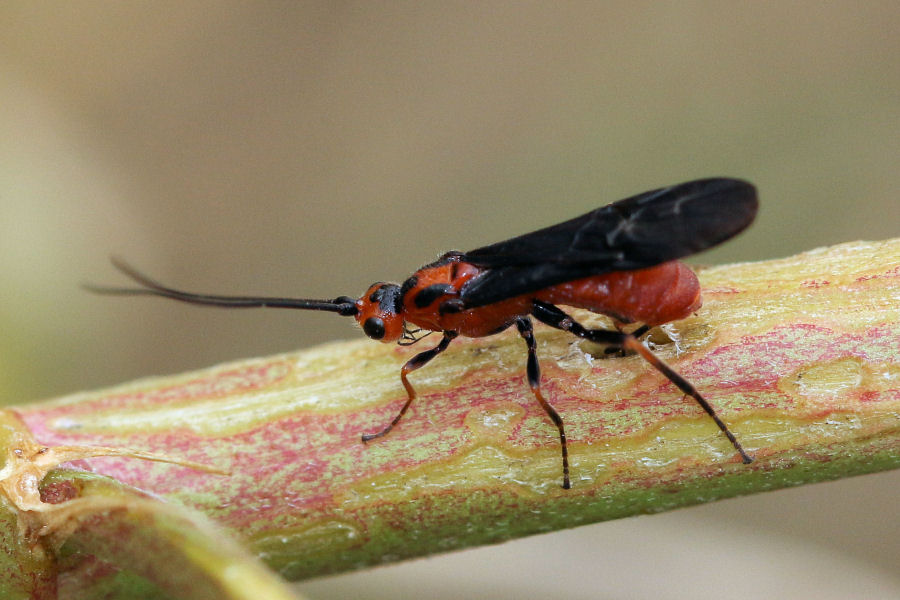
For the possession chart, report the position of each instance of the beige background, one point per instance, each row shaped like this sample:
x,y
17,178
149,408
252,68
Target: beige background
x,y
309,149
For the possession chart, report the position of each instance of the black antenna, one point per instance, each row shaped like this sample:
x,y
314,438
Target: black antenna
x,y
343,305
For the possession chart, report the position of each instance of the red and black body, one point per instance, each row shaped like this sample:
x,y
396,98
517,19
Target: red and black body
x,y
433,298
619,260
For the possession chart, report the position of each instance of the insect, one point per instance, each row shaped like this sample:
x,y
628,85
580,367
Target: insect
x,y
619,260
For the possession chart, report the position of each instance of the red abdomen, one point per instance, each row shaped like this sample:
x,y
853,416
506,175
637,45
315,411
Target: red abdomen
x,y
656,295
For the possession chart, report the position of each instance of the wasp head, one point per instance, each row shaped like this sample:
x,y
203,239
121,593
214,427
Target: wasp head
x,y
380,313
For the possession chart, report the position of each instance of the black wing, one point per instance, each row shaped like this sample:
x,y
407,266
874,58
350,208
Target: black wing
x,y
638,232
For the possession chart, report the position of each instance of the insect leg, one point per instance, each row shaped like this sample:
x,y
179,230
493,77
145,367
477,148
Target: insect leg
x,y
553,316
534,380
412,364
638,333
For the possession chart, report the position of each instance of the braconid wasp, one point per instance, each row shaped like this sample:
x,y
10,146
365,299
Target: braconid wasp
x,y
619,260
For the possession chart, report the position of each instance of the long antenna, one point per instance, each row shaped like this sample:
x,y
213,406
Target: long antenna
x,y
343,305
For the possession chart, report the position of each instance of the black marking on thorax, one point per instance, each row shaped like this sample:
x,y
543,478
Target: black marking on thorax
x,y
408,285
432,293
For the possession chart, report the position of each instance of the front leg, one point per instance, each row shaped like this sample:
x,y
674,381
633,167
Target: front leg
x,y
553,316
534,380
411,365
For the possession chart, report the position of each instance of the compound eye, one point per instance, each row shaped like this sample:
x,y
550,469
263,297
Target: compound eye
x,y
374,328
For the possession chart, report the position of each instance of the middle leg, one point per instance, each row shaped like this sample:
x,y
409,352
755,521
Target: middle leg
x,y
526,330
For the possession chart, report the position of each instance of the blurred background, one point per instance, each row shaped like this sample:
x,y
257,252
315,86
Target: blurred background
x,y
311,148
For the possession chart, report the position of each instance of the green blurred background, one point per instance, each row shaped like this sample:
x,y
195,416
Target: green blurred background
x,y
309,149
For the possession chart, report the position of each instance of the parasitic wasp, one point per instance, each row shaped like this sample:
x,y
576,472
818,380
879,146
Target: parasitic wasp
x,y
620,260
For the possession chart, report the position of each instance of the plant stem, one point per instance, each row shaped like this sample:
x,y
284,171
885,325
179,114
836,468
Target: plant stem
x,y
800,357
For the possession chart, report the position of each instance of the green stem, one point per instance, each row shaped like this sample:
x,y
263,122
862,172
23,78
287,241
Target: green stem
x,y
800,357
